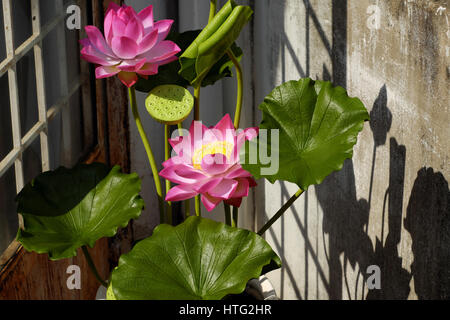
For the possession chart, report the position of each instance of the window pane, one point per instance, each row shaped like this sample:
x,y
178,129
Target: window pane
x,y
21,14
8,216
6,142
26,85
61,62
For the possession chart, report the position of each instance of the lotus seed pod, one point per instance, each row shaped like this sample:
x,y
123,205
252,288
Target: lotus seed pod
x,y
169,104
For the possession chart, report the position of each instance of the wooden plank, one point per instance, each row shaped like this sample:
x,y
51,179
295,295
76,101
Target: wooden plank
x,y
86,92
100,95
32,276
118,127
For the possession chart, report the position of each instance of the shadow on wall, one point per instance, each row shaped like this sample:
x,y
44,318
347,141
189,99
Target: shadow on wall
x,y
428,222
346,218
427,219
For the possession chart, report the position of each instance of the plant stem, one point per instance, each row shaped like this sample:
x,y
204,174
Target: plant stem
x,y
198,207
197,103
180,129
92,266
187,207
228,217
166,157
212,9
281,212
240,89
151,158
231,219
234,222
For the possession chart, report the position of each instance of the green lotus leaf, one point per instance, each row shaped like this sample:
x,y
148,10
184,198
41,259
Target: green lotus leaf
x,y
223,68
213,42
66,209
169,73
199,259
318,127
109,293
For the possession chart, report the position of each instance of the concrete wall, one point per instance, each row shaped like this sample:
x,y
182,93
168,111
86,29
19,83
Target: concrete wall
x,y
389,206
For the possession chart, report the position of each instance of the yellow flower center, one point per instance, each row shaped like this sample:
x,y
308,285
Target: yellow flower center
x,y
216,147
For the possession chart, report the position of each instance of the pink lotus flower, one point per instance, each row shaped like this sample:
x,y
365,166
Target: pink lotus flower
x,y
207,163
133,44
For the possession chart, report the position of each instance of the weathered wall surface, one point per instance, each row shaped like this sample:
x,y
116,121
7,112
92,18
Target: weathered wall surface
x,y
389,206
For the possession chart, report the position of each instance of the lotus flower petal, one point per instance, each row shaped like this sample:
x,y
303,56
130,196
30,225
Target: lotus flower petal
x,y
124,47
106,72
163,27
134,30
225,189
131,65
148,41
209,201
162,51
179,193
92,55
146,16
148,69
96,38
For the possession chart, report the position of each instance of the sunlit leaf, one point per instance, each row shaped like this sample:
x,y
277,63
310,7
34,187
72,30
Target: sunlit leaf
x,y
68,208
198,259
318,126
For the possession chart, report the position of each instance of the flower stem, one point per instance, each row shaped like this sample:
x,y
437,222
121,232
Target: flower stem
x,y
187,208
92,266
240,89
212,9
281,212
234,222
197,103
198,207
166,157
180,129
231,219
227,214
151,158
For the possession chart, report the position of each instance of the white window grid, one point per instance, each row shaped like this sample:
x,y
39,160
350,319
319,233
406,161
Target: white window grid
x,y
40,129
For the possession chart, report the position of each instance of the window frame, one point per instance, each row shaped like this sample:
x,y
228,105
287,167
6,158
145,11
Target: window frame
x,y
40,128
110,145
